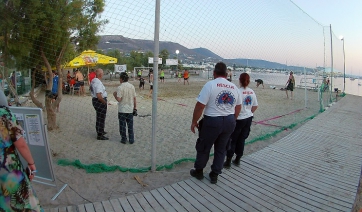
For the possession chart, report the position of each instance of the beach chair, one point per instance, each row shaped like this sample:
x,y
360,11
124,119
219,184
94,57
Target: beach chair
x,y
75,88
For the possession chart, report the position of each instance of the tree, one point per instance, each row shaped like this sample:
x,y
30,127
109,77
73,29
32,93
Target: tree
x,y
164,55
46,32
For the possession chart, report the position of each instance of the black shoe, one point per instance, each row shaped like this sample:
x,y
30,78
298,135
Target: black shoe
x,y
102,137
213,177
103,133
123,142
237,161
227,163
197,173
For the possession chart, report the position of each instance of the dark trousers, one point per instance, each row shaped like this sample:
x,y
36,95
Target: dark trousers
x,y
214,131
126,118
101,112
238,137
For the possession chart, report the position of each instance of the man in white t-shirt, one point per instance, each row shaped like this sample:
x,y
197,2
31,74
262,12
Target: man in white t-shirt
x,y
99,102
220,101
126,98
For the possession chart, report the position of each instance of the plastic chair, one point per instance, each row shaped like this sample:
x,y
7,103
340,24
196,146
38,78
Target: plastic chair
x,y
75,88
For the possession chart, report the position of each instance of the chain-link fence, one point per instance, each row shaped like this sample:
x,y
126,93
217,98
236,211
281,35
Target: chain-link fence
x,y
265,39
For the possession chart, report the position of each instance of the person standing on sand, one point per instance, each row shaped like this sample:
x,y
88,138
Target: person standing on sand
x,y
220,101
162,76
150,80
79,77
186,77
179,76
290,85
243,122
99,102
126,98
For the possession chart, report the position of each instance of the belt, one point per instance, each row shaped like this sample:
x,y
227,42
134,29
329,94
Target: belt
x,y
95,98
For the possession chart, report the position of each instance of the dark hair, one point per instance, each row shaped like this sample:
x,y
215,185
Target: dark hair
x,y
244,79
123,76
220,69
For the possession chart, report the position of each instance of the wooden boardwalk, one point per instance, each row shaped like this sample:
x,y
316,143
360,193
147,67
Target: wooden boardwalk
x,y
315,168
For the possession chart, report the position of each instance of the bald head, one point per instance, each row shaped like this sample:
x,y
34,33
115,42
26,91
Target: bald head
x,y
99,73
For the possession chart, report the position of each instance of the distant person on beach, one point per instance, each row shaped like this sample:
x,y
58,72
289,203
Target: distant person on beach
x,y
243,122
162,76
229,75
99,102
139,73
16,191
259,82
126,98
142,83
150,79
290,85
220,101
179,76
186,77
80,78
91,76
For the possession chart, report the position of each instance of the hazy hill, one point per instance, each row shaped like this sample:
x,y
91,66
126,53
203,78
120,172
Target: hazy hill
x,y
126,45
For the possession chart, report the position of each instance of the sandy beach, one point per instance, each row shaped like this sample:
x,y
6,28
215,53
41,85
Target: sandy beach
x,y
76,139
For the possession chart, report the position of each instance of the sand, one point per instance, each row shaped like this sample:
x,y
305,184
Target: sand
x,y
76,139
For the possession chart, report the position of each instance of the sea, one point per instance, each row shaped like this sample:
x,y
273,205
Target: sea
x,y
352,87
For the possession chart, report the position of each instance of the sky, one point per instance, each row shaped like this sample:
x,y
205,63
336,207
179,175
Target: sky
x,y
346,20
289,32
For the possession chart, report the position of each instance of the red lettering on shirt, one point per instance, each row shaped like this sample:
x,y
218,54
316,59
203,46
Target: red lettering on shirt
x,y
247,92
224,85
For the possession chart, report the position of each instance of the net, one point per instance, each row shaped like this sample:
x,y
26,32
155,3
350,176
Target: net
x,y
267,40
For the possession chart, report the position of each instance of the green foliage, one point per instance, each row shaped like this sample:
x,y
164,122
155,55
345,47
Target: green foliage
x,y
164,55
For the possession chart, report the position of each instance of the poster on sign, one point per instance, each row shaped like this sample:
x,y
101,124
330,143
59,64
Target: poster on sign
x,y
171,62
120,68
150,60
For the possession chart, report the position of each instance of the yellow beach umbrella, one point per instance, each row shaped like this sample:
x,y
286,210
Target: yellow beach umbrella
x,y
90,58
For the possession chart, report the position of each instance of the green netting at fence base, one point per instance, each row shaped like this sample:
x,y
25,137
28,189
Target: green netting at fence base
x,y
100,167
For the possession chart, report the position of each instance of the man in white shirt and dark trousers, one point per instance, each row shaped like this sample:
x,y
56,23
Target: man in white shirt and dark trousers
x,y
99,101
126,98
220,101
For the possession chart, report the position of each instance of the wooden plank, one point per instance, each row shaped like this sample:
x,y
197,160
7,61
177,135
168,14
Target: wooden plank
x,y
170,199
135,205
247,172
299,166
246,193
143,202
203,201
210,191
312,179
300,169
98,207
125,204
187,196
282,197
89,207
179,198
220,205
81,208
293,176
161,200
260,192
107,206
71,209
152,201
296,190
116,205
